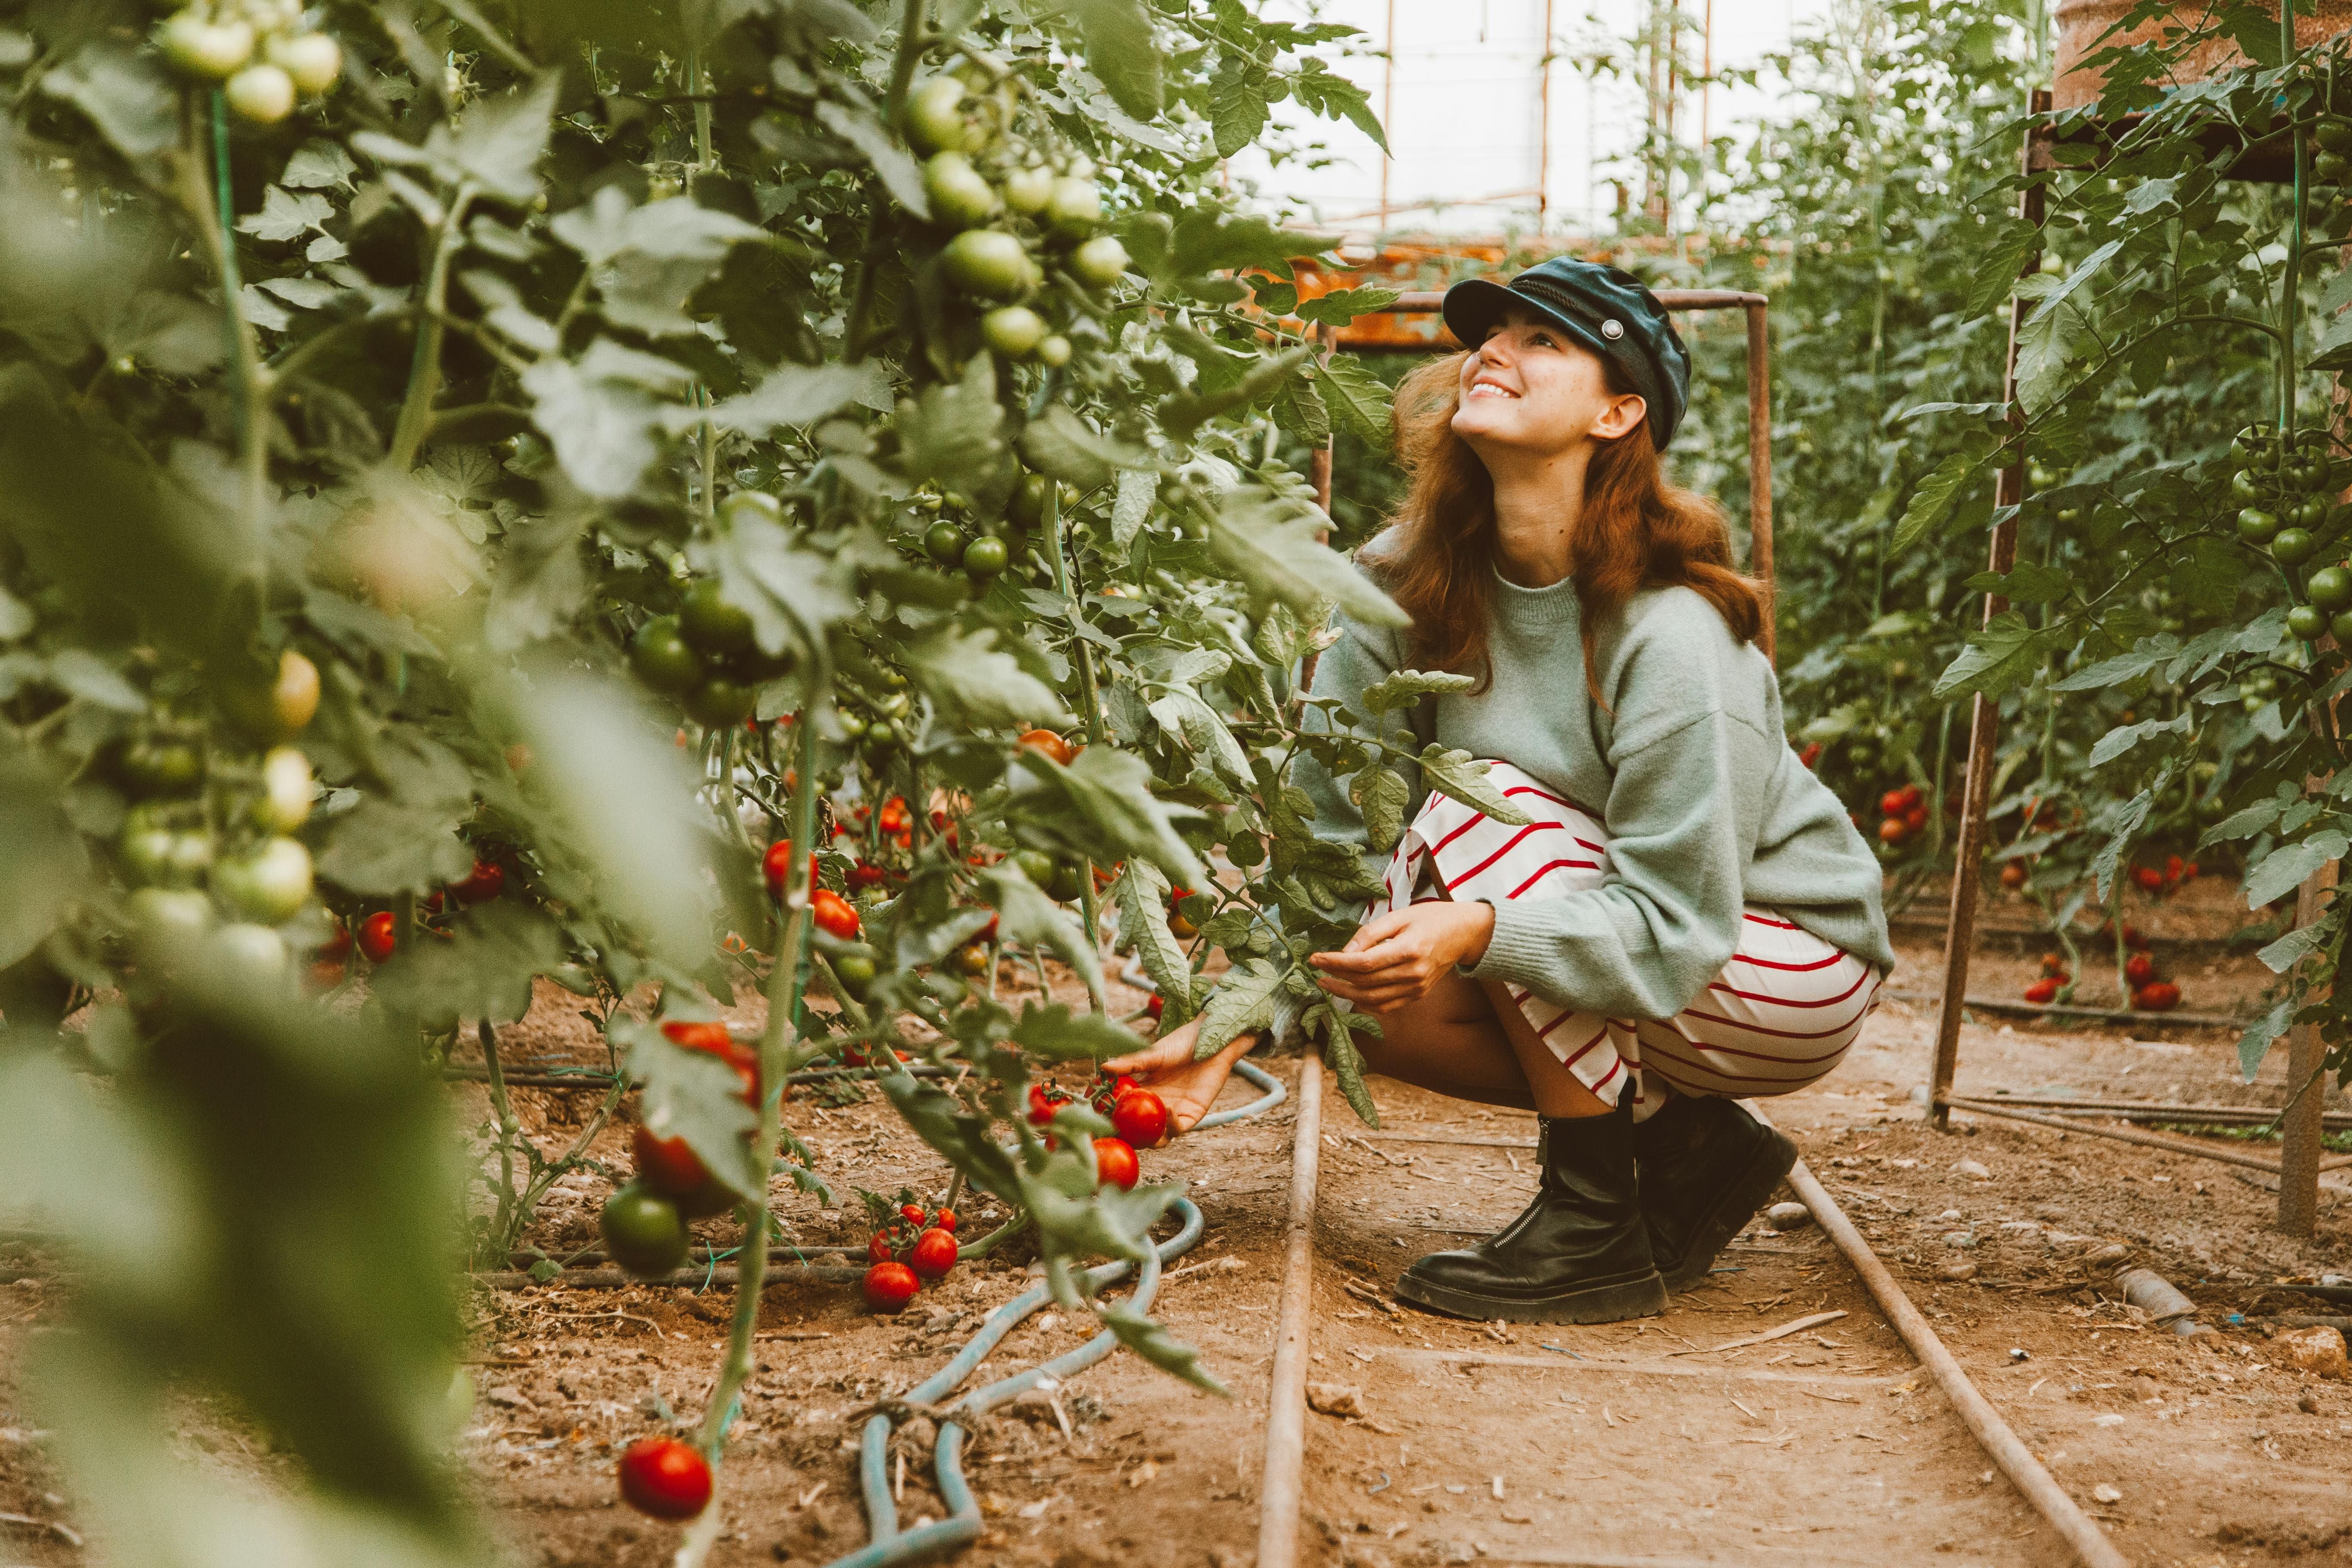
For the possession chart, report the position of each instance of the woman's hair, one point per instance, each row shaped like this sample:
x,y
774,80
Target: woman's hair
x,y
1637,531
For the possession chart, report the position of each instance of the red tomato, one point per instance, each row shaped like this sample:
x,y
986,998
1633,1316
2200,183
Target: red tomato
x,y
664,1478
1891,804
1916,818
889,1287
1046,744
877,1250
486,882
2148,878
1912,795
2013,875
2139,969
713,1038
2188,872
1114,1163
2053,963
2173,867
946,1221
2134,938
2156,996
905,839
1894,830
894,815
835,915
1810,755
776,866
329,972
1140,1117
1157,1005
1043,1098
865,874
2042,990
377,936
911,1213
934,1254
987,934
667,1164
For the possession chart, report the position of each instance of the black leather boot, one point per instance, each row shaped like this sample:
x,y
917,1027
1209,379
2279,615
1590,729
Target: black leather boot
x,y
1706,1167
1579,1254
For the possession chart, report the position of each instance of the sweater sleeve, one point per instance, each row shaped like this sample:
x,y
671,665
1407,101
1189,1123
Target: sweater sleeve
x,y
1361,656
1681,814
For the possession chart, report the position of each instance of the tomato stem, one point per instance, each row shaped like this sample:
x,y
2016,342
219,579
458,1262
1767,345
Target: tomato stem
x,y
1063,584
425,367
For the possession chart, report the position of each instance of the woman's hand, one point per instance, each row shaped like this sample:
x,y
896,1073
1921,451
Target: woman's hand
x,y
1187,1088
1392,961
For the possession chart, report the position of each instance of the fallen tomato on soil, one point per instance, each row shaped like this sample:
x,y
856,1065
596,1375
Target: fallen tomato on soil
x,y
664,1478
889,1287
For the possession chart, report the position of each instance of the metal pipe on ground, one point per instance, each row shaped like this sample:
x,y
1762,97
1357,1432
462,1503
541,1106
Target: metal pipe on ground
x,y
2129,1135
1280,1486
2000,1444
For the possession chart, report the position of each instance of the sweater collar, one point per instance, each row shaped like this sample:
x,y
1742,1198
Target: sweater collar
x,y
1535,609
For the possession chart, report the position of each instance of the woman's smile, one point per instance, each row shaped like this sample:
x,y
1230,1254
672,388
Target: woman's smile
x,y
1489,385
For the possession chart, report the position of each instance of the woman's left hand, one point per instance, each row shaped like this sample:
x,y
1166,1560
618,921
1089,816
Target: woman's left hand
x,y
1394,960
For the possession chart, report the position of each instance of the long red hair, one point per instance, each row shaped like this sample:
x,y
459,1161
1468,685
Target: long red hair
x,y
1637,530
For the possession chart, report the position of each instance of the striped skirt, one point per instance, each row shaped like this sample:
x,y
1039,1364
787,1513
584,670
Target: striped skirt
x,y
1780,1016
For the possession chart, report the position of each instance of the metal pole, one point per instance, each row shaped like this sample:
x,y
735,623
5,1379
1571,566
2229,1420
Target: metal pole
x,y
1543,123
1759,467
1388,110
1984,716
1280,1488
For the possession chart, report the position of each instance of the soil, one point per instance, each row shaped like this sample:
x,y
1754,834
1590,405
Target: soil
x,y
1645,1443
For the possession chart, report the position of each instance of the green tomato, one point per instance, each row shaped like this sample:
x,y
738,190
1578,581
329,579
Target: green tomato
x,y
944,542
2245,486
750,507
1099,262
214,50
1074,208
263,94
985,557
314,60
2068,514
1037,866
1027,191
2335,135
2330,168
719,703
269,885
2309,513
1026,504
170,913
662,658
935,122
711,624
643,1231
287,789
191,858
2330,588
2340,627
2293,546
2306,621
960,197
244,958
146,854
856,973
2256,526
2040,478
2304,473
1012,331
852,725
1054,352
1069,880
988,263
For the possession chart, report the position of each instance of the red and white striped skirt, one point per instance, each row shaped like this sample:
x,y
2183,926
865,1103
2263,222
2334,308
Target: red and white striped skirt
x,y
1780,1016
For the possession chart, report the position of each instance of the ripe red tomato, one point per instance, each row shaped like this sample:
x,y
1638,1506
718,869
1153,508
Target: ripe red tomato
x,y
377,936
934,1254
1810,755
1156,1006
664,1478
329,972
889,1287
2173,867
2042,990
2013,875
894,815
667,1164
2148,878
2134,938
1894,830
1916,818
486,882
1912,795
713,1038
945,1220
1114,1163
2188,872
911,1213
835,915
878,1247
1046,744
1140,1117
865,874
1044,1098
776,866
2156,996
2139,968
1891,804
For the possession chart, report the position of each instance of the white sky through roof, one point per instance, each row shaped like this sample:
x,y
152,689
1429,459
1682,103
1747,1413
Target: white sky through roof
x,y
1465,110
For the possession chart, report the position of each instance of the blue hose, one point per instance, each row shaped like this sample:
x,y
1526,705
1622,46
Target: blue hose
x,y
890,1547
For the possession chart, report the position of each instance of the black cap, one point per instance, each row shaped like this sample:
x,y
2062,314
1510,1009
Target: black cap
x,y
1607,310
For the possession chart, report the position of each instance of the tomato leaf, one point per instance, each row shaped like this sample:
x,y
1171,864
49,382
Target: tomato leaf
x,y
1122,51
1357,399
1149,1338
1380,794
1464,777
1057,1035
968,669
1243,1000
1141,895
1399,687
1277,550
1101,805
1060,442
2283,870
693,1095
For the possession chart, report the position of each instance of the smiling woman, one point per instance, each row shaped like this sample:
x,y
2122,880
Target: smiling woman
x,y
1710,928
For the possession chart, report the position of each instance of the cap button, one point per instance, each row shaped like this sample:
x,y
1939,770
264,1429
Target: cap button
x,y
1612,328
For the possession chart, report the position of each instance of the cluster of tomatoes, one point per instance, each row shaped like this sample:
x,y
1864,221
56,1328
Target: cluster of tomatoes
x,y
2056,977
1138,1120
1903,814
2150,991
915,1246
220,42
2157,883
2288,487
707,655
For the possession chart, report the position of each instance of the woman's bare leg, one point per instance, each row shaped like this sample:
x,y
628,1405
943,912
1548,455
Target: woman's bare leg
x,y
1459,1041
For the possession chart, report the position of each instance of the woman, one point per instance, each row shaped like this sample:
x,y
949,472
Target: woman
x,y
1708,928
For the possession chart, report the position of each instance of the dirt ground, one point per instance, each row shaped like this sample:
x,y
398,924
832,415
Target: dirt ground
x,y
1643,1444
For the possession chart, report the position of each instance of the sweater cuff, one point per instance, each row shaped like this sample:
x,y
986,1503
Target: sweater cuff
x,y
1517,953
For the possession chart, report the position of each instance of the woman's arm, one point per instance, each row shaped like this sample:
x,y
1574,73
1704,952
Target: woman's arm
x,y
1186,1086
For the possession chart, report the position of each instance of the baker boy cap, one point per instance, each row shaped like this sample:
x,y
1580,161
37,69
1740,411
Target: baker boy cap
x,y
1605,308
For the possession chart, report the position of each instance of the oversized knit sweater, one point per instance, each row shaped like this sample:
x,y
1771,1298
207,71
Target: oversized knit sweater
x,y
1707,806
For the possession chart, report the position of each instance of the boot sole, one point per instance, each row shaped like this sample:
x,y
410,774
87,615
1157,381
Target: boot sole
x,y
1743,1196
1610,1303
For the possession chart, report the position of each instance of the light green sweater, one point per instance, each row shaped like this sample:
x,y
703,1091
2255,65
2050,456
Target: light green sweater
x,y
1708,808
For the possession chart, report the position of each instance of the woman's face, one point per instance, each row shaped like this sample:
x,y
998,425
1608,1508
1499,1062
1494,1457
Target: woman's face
x,y
1531,389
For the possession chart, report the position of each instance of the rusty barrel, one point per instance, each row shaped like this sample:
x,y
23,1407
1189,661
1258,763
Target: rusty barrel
x,y
2082,24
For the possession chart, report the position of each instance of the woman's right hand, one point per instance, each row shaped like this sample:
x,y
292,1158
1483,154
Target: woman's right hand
x,y
1187,1088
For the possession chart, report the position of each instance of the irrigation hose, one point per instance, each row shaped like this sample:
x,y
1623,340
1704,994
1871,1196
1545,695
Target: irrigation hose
x,y
891,1547
1992,1434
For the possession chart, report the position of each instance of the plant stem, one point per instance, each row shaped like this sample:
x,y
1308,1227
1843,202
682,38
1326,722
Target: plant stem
x,y
1063,580
911,43
694,85
554,1171
425,368
510,1130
